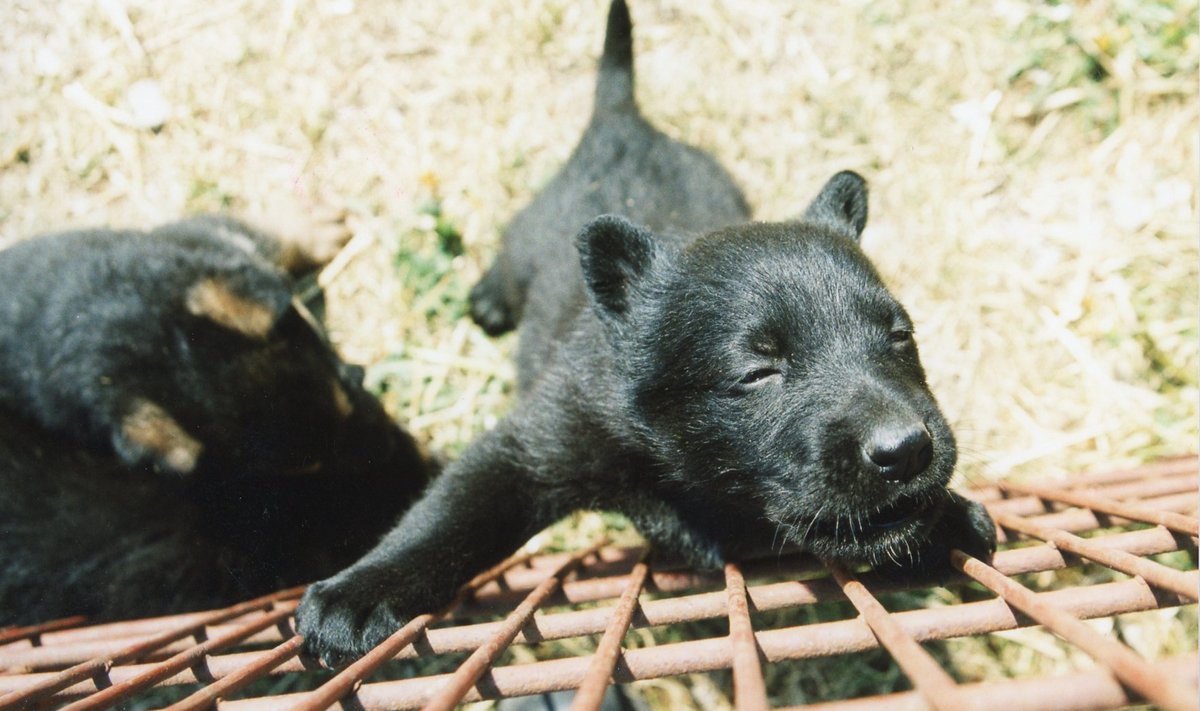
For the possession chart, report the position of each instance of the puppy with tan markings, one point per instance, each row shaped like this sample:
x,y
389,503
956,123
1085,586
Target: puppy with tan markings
x,y
168,391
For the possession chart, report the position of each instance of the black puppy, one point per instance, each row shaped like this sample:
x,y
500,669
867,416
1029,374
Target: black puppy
x,y
723,386
175,430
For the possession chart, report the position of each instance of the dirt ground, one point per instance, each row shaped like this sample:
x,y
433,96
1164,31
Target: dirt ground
x,y
1033,170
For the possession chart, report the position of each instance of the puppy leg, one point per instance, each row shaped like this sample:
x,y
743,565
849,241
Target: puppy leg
x,y
674,539
479,511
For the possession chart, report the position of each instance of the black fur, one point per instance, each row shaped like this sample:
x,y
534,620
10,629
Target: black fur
x,y
728,386
154,459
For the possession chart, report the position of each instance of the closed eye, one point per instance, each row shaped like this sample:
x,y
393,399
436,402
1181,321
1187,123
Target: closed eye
x,y
756,378
901,336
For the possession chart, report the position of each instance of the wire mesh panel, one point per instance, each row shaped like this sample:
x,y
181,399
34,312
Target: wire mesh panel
x,y
1137,527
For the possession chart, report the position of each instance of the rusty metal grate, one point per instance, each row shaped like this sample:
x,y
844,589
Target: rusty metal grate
x,y
1126,517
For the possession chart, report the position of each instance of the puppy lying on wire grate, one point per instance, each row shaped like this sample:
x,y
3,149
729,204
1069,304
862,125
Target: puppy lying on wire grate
x,y
726,385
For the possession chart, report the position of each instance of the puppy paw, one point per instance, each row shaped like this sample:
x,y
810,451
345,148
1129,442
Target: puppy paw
x,y
344,617
489,309
970,528
965,525
310,235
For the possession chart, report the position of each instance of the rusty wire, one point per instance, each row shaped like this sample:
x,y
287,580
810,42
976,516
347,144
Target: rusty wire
x,y
102,664
935,686
33,633
219,653
353,675
749,689
591,690
456,687
1152,683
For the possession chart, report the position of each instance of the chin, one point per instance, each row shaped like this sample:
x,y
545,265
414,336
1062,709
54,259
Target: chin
x,y
894,533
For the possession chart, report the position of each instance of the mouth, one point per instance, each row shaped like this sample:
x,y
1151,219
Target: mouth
x,y
903,510
854,532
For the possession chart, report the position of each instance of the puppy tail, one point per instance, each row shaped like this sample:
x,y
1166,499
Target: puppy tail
x,y
614,90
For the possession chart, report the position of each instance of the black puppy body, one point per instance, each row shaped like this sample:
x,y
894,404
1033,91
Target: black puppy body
x,y
82,532
728,388
180,347
176,431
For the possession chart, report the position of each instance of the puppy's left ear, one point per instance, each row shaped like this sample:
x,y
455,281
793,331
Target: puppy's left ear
x,y
616,256
841,204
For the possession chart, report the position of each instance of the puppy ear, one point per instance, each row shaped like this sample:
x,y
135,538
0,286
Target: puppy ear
x,y
214,299
147,431
841,204
616,255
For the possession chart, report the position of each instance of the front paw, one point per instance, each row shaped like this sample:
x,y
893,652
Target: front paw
x,y
965,525
343,617
969,527
488,307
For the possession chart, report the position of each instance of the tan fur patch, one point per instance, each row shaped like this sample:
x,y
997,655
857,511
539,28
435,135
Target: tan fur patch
x,y
341,401
150,427
212,299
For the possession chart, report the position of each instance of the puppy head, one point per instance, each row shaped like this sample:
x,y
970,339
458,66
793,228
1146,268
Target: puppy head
x,y
772,365
248,381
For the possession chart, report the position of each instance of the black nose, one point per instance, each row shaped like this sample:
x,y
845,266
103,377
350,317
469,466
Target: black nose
x,y
901,452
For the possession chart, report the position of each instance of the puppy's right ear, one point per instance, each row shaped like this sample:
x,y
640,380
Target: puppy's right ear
x,y
616,256
841,204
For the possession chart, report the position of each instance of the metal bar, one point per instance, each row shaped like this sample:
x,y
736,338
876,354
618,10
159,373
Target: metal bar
x,y
688,608
1154,573
749,689
102,664
1149,541
931,681
577,591
209,696
808,641
1179,464
1091,690
33,633
352,676
1140,475
65,654
791,565
183,660
1032,505
1175,522
615,561
128,628
1124,663
1172,491
772,596
1088,520
1143,489
469,672
608,652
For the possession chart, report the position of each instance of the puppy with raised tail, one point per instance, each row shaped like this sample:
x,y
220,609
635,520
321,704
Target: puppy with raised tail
x,y
717,381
